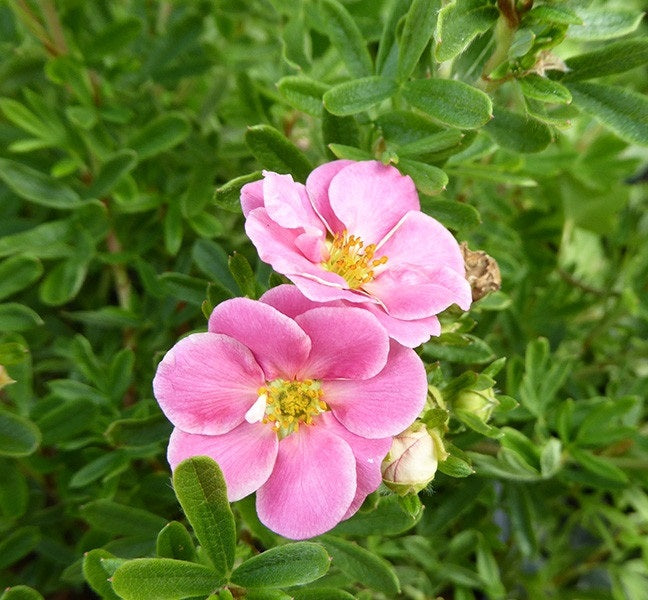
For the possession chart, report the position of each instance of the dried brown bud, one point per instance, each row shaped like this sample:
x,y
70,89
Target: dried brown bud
x,y
482,272
548,62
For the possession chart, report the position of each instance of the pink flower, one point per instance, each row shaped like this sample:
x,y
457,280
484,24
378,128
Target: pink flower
x,y
355,233
296,403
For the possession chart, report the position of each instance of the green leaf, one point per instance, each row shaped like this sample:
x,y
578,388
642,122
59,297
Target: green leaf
x,y
617,57
162,133
453,466
184,287
47,240
453,214
96,575
115,37
554,14
491,173
543,89
429,179
275,153
243,274
461,348
361,565
388,518
102,466
347,39
228,196
17,317
14,493
350,152
111,172
517,132
17,544
66,420
431,143
164,579
387,56
135,433
17,273
283,566
551,458
64,281
20,592
321,593
343,131
18,435
459,23
36,186
623,111
603,23
174,541
598,465
417,31
358,95
303,94
213,261
451,102
119,519
201,491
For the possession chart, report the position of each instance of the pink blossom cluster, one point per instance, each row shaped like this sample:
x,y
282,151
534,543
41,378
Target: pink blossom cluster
x,y
297,396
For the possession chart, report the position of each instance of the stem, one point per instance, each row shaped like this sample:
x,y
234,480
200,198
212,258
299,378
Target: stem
x,y
53,24
122,282
505,29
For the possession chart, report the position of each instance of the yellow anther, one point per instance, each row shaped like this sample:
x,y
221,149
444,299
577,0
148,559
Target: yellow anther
x,y
349,258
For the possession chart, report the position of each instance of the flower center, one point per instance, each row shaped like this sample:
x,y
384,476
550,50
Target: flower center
x,y
288,403
351,259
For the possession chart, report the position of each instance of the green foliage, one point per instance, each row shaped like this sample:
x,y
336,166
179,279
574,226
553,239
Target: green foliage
x,y
128,129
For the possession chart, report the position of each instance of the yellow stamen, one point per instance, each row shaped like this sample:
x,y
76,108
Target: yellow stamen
x,y
351,259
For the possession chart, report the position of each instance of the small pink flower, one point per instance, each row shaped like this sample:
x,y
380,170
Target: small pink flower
x,y
355,233
296,403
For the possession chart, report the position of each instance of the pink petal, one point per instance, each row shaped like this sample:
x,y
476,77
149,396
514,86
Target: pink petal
x,y
207,382
288,203
370,198
319,290
347,343
368,453
246,455
317,186
414,292
418,239
279,345
384,405
251,196
312,485
409,333
290,301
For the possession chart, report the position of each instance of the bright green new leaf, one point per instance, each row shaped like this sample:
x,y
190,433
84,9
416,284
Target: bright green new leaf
x,y
350,152
164,579
201,491
283,566
617,57
96,575
174,541
543,89
417,31
20,592
432,143
346,37
454,466
275,153
228,196
162,133
37,187
459,23
517,132
17,273
453,214
428,179
451,102
604,23
361,565
358,95
18,435
623,111
18,317
551,458
303,94
563,15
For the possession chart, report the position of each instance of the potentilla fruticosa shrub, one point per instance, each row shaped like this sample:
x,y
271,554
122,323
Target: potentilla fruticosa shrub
x,y
323,299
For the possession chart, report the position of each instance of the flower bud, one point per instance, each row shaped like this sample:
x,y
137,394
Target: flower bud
x,y
478,402
412,460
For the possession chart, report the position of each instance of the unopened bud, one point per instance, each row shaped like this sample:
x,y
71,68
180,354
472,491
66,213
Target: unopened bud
x,y
412,460
480,403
